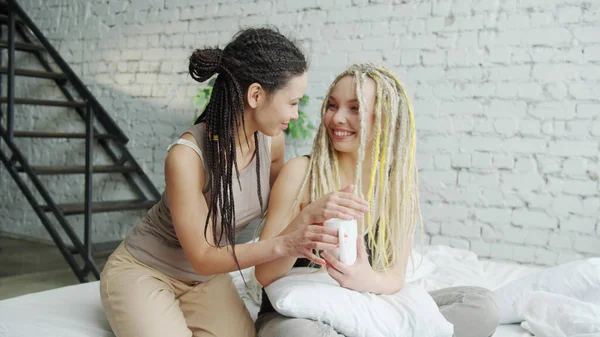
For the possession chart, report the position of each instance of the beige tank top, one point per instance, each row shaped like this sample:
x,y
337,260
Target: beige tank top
x,y
153,240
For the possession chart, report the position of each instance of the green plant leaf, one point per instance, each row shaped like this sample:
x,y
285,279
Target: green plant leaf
x,y
304,100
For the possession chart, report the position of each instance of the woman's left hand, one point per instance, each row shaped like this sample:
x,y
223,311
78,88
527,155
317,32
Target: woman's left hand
x,y
360,276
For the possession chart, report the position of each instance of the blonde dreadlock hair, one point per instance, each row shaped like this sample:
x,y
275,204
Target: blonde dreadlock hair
x,y
393,186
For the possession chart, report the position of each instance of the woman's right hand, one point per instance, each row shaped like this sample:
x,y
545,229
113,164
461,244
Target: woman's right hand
x,y
308,233
304,241
342,204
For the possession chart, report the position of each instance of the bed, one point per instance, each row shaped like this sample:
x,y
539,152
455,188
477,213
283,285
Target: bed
x,y
77,311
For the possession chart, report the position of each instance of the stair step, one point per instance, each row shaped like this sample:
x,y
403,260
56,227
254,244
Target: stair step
x,y
78,169
35,73
45,102
22,46
104,206
40,134
4,18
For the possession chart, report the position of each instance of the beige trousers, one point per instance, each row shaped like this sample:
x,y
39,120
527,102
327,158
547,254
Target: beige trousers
x,y
141,301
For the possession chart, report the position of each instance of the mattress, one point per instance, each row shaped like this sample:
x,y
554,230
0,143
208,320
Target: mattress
x,y
77,310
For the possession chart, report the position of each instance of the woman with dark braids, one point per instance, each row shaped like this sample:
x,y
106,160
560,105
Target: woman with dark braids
x,y
170,277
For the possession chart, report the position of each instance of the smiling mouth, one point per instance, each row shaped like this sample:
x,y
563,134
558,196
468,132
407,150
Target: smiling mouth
x,y
341,134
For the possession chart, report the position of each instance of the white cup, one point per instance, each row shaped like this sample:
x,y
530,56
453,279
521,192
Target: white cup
x,y
347,250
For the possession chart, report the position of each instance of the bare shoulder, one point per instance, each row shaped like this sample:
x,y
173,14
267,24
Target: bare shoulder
x,y
289,181
182,159
295,168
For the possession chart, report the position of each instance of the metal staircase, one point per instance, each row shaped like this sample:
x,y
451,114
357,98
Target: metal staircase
x,y
100,129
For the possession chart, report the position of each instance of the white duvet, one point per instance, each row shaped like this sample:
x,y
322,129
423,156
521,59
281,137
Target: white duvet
x,y
555,302
552,315
76,310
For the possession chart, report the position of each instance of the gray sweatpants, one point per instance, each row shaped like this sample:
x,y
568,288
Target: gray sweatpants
x,y
472,310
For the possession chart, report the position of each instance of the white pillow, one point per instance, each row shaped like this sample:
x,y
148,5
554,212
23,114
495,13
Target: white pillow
x,y
306,293
579,280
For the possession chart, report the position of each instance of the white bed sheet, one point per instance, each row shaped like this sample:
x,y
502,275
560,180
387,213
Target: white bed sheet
x,y
77,310
74,311
498,274
511,330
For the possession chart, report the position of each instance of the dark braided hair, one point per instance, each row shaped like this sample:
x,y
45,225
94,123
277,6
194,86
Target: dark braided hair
x,y
255,55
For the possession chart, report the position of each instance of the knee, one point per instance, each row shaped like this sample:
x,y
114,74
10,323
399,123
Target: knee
x,y
472,310
280,326
486,311
275,325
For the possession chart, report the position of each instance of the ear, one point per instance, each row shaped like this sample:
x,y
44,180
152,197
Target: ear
x,y
254,95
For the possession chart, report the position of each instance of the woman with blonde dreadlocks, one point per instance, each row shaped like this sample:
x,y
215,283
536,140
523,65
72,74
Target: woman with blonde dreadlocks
x,y
366,138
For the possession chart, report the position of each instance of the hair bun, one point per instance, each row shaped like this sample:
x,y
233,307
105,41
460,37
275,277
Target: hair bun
x,y
204,63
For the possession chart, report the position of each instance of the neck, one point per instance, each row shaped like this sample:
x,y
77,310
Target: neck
x,y
347,165
247,129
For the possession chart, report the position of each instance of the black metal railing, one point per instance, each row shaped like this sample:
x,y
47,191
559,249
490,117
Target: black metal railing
x,y
89,146
9,163
10,104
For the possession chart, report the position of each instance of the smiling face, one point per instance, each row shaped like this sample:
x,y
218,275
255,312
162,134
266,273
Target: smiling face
x,y
273,111
342,119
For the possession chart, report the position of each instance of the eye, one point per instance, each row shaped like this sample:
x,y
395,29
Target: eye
x,y
354,108
331,106
294,103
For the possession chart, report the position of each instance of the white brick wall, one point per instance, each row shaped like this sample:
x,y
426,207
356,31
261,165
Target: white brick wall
x,y
506,97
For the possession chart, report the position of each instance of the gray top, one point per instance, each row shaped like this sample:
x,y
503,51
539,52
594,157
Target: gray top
x,y
153,240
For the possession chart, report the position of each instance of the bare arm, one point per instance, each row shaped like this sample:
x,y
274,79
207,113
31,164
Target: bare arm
x,y
185,177
339,204
280,213
184,174
391,282
277,159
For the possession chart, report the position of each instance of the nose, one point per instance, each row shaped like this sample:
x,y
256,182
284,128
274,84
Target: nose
x,y
295,115
339,117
